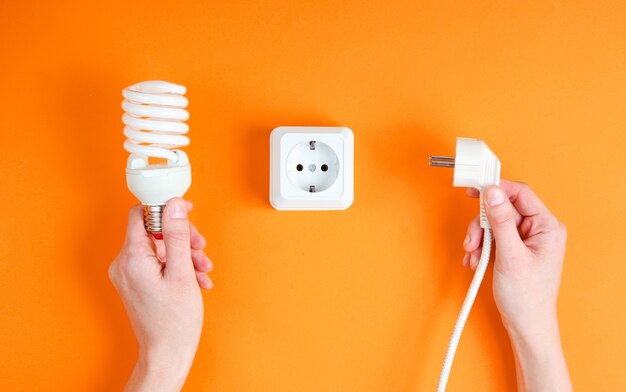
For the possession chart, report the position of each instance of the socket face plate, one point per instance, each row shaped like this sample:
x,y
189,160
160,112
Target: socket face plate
x,y
311,168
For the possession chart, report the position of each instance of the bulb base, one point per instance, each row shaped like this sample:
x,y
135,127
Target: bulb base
x,y
152,218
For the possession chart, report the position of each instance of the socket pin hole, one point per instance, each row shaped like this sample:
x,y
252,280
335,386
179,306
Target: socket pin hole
x,y
299,167
324,167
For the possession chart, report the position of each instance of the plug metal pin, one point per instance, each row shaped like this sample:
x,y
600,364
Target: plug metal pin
x,y
441,161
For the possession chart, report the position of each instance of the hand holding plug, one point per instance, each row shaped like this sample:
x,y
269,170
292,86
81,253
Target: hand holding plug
x,y
530,247
529,252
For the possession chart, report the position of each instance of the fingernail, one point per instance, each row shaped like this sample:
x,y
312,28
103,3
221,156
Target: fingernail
x,y
495,197
178,211
202,241
466,259
466,240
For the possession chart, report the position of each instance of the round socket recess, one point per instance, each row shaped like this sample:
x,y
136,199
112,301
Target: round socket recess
x,y
312,166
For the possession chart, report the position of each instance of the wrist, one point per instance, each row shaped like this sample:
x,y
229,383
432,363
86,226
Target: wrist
x,y
529,324
156,372
539,359
538,338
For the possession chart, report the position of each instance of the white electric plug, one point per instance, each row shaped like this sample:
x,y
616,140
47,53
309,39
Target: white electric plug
x,y
475,166
311,168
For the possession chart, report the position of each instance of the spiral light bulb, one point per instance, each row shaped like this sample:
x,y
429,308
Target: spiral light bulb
x,y
154,115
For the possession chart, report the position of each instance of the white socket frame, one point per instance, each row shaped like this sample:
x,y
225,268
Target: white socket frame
x,y
284,195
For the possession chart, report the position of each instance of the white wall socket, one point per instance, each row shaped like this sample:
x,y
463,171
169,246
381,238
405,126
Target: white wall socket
x,y
311,168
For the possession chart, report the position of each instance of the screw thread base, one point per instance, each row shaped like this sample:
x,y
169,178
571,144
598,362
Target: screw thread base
x,y
152,215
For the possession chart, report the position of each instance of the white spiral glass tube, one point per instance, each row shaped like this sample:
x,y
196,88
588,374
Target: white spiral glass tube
x,y
154,115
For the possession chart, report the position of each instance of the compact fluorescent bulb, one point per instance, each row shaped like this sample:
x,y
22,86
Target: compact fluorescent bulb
x,y
154,115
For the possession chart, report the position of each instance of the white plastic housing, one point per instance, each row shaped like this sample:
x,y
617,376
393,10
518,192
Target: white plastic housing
x,y
157,184
476,166
303,177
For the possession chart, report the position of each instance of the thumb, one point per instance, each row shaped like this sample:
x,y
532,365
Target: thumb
x,y
501,215
176,238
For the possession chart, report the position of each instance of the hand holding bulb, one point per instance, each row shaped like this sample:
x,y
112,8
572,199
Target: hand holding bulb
x,y
160,287
162,265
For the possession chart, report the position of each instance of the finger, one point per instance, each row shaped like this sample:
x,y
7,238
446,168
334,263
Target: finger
x,y
526,202
203,280
176,238
524,199
160,250
500,213
200,261
474,258
189,206
474,235
197,240
473,192
139,258
136,234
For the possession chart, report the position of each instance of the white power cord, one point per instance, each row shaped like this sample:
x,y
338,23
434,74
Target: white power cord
x,y
475,166
465,310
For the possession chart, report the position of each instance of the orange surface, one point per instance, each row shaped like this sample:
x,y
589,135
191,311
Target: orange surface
x,y
360,300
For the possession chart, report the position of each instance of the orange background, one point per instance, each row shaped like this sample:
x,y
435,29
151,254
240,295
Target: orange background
x,y
360,300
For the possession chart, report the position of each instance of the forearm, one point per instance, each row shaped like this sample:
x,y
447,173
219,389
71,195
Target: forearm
x,y
152,374
539,358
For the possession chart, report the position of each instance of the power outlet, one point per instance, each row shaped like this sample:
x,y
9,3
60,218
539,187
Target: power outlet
x,y
311,168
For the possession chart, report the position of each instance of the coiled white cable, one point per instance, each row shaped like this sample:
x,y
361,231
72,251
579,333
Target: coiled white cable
x,y
465,310
154,115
